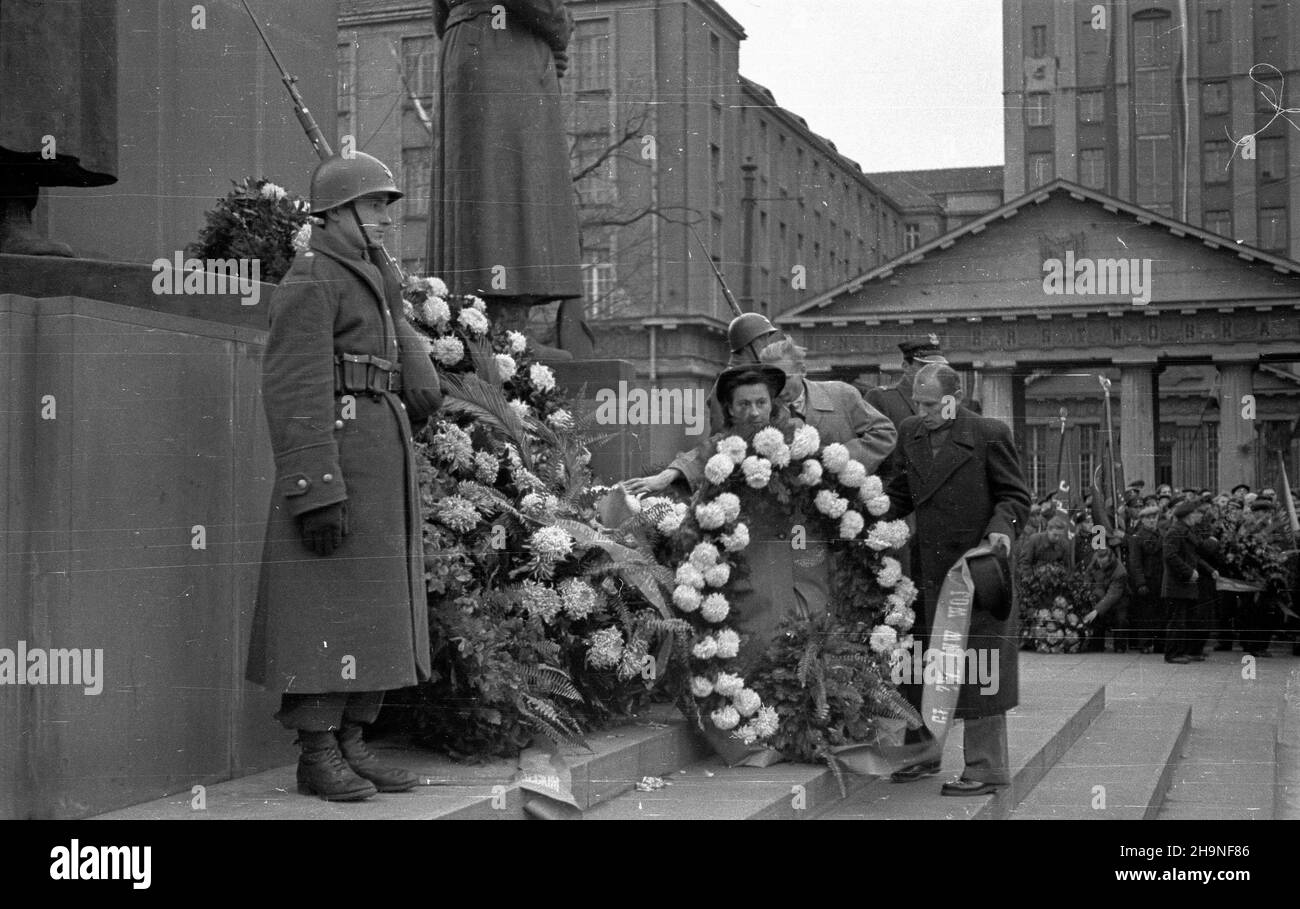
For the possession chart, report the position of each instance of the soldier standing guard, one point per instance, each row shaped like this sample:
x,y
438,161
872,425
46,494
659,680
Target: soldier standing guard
x,y
341,614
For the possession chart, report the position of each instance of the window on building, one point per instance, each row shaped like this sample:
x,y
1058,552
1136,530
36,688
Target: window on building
x,y
1042,168
1092,107
589,57
416,169
1092,168
1217,155
1038,41
911,236
1268,93
1266,33
1153,107
715,154
1154,171
1038,109
1219,222
1214,98
598,283
346,72
1152,40
1273,229
420,65
1272,159
1213,26
596,186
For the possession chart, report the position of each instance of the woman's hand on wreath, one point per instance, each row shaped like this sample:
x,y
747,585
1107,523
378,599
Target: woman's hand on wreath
x,y
654,483
1090,617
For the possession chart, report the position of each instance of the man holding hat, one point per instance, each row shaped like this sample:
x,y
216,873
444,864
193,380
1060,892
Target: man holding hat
x,y
1182,569
1146,574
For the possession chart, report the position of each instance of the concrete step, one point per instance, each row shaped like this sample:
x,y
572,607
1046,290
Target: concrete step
x,y
1039,732
657,743
1119,769
1229,772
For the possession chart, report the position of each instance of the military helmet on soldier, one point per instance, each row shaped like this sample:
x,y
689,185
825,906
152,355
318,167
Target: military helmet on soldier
x,y
746,329
338,180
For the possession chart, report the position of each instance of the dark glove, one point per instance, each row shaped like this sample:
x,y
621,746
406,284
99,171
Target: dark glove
x,y
561,63
323,529
422,403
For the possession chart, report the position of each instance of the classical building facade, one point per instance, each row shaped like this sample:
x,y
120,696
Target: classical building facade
x,y
1153,102
1046,295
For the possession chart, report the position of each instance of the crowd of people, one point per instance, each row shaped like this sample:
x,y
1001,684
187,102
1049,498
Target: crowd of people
x,y
1179,568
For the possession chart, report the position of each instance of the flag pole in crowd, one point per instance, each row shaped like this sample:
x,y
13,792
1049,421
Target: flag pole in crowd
x,y
1116,494
1286,493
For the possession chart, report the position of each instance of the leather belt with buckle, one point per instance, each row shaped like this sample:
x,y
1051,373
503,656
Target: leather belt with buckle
x,y
365,374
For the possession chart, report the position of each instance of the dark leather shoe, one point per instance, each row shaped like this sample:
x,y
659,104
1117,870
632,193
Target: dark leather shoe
x,y
914,772
964,786
323,772
365,765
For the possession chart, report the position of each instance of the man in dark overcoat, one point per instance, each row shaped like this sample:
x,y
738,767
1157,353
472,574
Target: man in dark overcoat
x,y
341,613
961,478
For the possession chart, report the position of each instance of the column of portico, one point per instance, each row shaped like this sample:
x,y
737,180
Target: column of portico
x,y
997,391
1236,421
1138,432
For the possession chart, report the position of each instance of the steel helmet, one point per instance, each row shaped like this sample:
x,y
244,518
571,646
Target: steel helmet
x,y
337,181
747,328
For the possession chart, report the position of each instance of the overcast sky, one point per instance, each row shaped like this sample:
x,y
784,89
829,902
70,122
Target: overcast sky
x,y
895,84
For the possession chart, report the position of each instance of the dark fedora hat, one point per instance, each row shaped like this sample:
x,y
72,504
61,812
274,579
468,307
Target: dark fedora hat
x,y
991,574
750,374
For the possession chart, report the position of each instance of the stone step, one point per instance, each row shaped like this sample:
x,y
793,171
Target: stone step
x,y
1119,769
1229,772
657,743
1039,731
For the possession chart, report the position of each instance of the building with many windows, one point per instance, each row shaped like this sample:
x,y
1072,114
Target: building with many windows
x,y
1154,102
937,201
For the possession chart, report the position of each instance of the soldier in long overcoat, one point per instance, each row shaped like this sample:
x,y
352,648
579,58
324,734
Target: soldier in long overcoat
x,y
961,478
341,614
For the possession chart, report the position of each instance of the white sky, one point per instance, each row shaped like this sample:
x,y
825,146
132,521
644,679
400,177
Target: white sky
x,y
895,84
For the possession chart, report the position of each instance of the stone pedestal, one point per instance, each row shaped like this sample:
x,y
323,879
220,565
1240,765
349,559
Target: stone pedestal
x,y
1236,424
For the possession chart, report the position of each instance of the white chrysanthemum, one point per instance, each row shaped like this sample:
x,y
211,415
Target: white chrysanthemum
x,y
506,366
766,723
538,504
705,649
718,468
687,598
728,684
561,419
811,474
302,240
710,515
541,376
883,638
448,351
579,598
878,505
714,608
718,575
781,457
689,575
486,467
704,555
605,648
734,447
672,520
897,530
435,312
408,309
851,525
452,445
887,535
854,474
701,687
728,644
474,321
736,540
747,734
517,341
747,702
456,512
434,287
767,440
830,504
551,542
521,409
834,457
758,471
542,601
729,502
901,617
806,442
725,718
271,191
890,573
872,488
906,589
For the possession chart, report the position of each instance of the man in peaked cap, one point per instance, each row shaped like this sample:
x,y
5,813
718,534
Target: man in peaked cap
x,y
895,401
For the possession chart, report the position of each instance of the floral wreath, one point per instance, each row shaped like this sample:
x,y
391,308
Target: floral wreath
x,y
791,467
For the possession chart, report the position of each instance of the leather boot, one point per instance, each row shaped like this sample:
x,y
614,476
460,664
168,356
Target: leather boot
x,y
322,770
366,765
